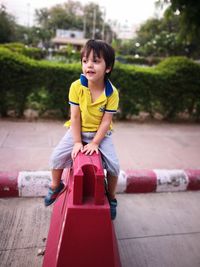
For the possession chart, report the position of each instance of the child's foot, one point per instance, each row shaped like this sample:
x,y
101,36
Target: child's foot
x,y
113,208
53,194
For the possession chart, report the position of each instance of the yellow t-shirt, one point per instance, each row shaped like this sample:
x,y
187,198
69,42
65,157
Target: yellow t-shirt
x,y
92,112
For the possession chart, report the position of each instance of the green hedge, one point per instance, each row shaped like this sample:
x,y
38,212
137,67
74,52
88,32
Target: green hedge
x,y
31,52
21,77
149,61
180,90
68,55
172,87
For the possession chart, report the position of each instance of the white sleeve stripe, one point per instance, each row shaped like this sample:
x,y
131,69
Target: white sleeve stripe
x,y
110,111
73,103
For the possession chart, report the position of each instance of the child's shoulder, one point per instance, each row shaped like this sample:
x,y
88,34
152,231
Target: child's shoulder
x,y
76,83
115,91
76,86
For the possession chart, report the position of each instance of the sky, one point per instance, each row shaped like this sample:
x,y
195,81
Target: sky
x,y
129,12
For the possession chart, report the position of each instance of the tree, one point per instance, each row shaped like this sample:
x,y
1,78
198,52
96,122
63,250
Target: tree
x,y
42,17
73,15
93,21
147,31
7,26
66,16
188,12
159,37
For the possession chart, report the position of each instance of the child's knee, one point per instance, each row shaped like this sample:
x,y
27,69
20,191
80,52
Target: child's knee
x,y
53,161
60,160
56,161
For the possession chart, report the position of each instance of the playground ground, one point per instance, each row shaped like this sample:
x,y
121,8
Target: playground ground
x,y
154,229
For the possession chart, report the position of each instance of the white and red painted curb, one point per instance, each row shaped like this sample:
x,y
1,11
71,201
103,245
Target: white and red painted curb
x,y
36,183
24,184
146,181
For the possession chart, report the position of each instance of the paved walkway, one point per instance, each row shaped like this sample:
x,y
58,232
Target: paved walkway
x,y
28,145
153,230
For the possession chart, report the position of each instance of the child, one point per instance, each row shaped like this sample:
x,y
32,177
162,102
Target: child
x,y
93,101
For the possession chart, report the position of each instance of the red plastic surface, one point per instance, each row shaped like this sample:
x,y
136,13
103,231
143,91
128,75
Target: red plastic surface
x,y
81,232
88,179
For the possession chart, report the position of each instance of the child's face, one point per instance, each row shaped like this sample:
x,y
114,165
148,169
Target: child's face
x,y
94,68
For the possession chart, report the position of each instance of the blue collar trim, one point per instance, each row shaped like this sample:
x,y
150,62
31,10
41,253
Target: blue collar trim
x,y
109,88
84,80
108,85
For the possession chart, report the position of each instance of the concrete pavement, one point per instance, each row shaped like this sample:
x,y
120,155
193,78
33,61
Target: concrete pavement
x,y
28,145
159,230
153,230
154,157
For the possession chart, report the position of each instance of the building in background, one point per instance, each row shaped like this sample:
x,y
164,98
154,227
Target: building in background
x,y
124,31
69,37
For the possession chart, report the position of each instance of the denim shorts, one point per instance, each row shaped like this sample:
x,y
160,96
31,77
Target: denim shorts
x,y
61,156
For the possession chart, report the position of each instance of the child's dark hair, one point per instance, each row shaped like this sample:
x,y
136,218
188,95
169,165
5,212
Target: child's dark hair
x,y
100,48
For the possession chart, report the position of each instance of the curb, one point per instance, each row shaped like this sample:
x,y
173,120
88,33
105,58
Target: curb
x,y
24,184
36,183
159,180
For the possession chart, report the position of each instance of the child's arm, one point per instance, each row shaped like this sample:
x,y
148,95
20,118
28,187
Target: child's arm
x,y
76,129
101,132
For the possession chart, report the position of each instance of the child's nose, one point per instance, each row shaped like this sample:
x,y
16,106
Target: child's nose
x,y
90,63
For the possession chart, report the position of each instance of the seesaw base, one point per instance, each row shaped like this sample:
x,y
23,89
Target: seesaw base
x,y
81,235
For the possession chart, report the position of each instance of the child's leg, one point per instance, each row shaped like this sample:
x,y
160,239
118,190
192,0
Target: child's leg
x,y
56,187
60,159
56,177
112,166
112,184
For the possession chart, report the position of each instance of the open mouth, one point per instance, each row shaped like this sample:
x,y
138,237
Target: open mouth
x,y
90,72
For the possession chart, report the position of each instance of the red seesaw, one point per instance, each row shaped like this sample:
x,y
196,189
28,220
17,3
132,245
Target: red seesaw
x,y
81,232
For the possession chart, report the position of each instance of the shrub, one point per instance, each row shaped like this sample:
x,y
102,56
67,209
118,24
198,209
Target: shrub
x,y
170,88
21,77
180,90
31,52
16,79
149,61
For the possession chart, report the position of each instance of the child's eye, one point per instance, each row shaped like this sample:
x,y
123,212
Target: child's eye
x,y
84,60
96,60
